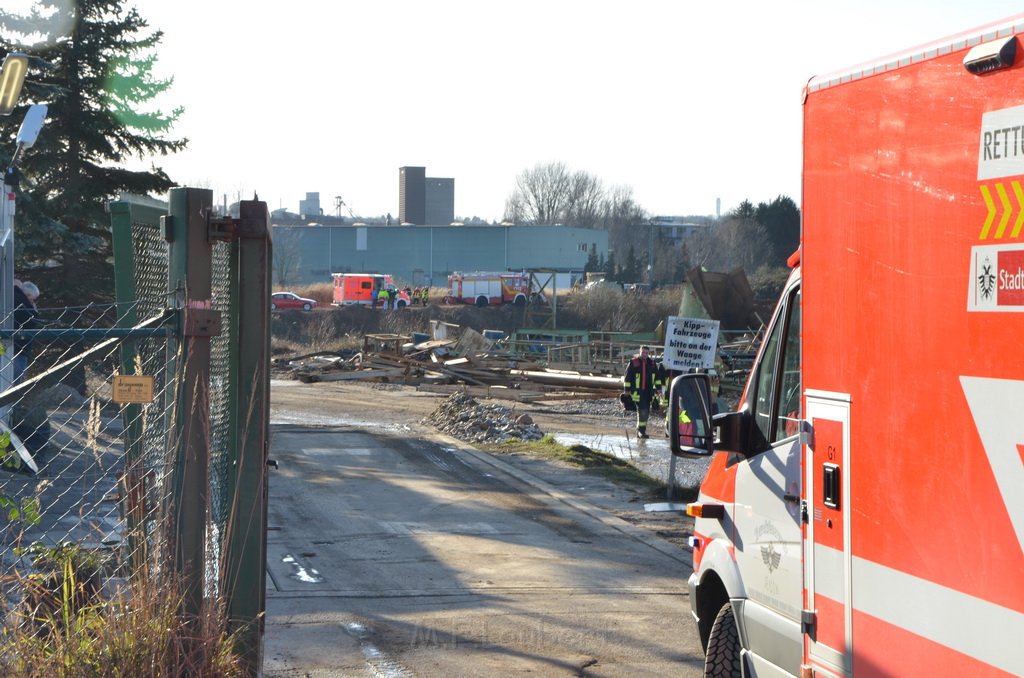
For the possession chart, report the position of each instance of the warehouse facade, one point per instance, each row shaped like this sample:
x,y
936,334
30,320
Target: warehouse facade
x,y
426,255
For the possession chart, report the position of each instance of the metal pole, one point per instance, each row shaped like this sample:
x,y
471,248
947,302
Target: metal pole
x,y
650,256
190,270
245,556
7,290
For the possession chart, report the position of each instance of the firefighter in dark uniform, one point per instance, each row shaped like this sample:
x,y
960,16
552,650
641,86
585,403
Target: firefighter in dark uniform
x,y
643,381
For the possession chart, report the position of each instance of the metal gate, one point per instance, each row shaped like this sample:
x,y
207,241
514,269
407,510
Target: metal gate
x,y
139,429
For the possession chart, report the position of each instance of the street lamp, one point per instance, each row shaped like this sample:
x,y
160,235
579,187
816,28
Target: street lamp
x,y
12,77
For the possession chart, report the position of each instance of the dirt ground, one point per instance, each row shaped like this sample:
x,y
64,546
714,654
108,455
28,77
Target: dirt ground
x,y
401,409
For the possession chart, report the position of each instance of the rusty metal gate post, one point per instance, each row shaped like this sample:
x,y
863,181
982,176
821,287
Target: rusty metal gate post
x,y
243,565
189,280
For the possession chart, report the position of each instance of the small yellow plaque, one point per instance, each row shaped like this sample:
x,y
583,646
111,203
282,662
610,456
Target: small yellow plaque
x,y
136,388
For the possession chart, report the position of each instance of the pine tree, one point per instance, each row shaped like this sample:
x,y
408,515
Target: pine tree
x,y
781,220
610,272
95,75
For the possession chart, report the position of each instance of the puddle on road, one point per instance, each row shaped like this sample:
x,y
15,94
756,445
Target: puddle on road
x,y
308,419
652,456
624,447
301,572
379,663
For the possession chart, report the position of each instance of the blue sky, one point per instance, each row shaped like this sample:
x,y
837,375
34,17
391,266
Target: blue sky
x,y
686,102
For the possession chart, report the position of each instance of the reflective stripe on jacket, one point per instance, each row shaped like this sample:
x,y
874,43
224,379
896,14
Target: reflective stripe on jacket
x,y
643,375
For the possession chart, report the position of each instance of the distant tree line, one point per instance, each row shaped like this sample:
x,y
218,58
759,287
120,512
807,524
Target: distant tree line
x,y
757,238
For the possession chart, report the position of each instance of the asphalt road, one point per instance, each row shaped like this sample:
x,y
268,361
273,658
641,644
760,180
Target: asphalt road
x,y
400,555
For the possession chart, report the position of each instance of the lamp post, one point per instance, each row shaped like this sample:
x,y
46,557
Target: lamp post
x,y
12,77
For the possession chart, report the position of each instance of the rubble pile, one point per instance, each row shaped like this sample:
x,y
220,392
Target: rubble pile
x,y
461,416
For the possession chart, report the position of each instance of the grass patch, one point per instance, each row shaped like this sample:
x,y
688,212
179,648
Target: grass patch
x,y
63,621
595,462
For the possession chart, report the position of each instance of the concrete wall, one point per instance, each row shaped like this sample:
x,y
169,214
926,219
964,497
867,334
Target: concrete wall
x,y
418,255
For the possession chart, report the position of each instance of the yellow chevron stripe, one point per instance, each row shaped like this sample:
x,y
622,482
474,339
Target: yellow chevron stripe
x,y
986,195
1001,190
1020,203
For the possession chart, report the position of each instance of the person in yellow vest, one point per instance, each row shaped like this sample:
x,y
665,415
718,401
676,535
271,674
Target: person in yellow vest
x,y
642,382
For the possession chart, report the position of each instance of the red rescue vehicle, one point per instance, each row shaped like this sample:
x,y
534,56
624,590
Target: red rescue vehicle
x,y
863,514
483,289
362,288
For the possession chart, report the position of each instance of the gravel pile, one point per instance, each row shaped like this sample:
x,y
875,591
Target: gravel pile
x,y
461,416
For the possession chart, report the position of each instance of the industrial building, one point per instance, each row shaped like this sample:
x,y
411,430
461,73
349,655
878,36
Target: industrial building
x,y
425,255
427,246
424,200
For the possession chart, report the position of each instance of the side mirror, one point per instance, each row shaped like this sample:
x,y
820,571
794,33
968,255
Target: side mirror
x,y
690,427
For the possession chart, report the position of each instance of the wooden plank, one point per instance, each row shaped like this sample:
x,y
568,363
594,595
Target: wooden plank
x,y
350,376
494,393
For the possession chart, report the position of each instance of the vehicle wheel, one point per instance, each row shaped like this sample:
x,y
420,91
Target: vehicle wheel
x,y
481,302
520,300
273,306
722,658
400,303
306,307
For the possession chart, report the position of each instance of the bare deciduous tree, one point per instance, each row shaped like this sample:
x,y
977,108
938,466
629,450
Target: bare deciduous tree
x,y
585,201
287,257
553,194
541,195
731,243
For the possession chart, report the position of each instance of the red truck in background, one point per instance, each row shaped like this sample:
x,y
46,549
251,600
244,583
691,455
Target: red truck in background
x,y
483,289
362,289
863,513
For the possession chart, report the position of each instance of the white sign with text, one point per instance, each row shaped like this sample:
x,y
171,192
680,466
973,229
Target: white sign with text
x,y
690,343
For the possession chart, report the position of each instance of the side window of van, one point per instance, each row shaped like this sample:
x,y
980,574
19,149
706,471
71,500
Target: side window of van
x,y
365,284
787,420
775,391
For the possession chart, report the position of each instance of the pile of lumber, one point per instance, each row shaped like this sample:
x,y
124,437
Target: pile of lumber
x,y
466,365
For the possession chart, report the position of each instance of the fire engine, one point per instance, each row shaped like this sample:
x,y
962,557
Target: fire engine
x,y
863,513
488,288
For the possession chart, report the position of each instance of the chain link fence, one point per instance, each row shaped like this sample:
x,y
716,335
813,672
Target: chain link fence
x,y
134,431
64,476
81,468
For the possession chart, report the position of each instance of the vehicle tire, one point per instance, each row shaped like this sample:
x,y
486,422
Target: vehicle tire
x,y
273,306
306,307
400,303
722,659
520,300
481,302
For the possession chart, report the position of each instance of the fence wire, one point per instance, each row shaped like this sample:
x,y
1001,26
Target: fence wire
x,y
64,470
220,433
80,468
